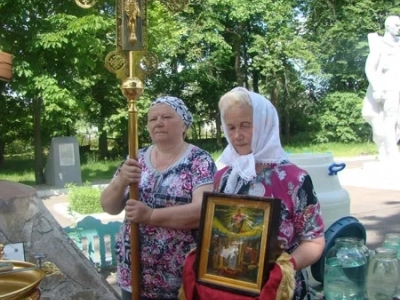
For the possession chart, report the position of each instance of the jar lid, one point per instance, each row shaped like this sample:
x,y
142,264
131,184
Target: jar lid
x,y
386,251
393,236
344,227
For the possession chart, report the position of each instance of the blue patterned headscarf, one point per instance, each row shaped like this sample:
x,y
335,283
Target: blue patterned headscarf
x,y
178,105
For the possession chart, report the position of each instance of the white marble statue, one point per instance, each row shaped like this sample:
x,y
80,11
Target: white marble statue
x,y
381,108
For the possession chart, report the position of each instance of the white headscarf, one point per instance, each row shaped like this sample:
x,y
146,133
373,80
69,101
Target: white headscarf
x,y
266,146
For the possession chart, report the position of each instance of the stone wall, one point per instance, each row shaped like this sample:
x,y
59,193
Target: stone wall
x,y
24,218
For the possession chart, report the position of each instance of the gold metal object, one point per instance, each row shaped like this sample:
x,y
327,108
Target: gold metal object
x,y
5,266
20,285
132,11
148,63
50,268
12,270
131,25
85,3
142,63
115,61
1,251
132,88
132,63
35,296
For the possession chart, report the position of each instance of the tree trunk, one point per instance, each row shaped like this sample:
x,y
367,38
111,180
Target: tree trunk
x,y
274,96
256,79
239,75
103,145
287,124
218,132
245,59
236,49
199,130
2,152
2,142
37,140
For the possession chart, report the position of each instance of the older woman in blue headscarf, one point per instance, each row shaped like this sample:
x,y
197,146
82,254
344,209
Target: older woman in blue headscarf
x,y
172,177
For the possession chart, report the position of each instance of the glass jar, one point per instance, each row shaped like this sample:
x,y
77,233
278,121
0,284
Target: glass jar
x,y
382,275
396,295
364,248
367,253
392,241
345,270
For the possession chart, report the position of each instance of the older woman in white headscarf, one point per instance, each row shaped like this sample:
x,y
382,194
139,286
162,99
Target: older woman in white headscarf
x,y
172,177
255,164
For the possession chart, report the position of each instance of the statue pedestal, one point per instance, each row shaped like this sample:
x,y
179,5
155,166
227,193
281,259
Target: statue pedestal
x,y
334,199
382,167
373,175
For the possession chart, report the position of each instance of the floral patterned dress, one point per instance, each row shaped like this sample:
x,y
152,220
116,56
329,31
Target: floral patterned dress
x,y
163,250
300,210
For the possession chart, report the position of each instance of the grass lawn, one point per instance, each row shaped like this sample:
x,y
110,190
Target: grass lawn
x,y
338,150
20,168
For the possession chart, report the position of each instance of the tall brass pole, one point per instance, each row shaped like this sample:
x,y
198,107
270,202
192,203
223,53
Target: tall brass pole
x,y
131,39
132,89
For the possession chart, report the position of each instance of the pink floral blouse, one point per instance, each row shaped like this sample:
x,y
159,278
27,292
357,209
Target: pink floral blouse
x,y
163,250
300,210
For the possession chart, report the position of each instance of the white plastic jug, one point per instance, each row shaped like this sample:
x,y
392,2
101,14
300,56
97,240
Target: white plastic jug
x,y
334,199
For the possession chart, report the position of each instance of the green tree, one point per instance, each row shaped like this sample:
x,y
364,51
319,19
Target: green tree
x,y
58,49
340,119
13,124
340,30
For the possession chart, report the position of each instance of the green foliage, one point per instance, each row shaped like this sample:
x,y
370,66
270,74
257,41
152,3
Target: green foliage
x,y
340,119
340,30
99,169
337,149
84,199
298,53
18,147
15,121
20,168
59,52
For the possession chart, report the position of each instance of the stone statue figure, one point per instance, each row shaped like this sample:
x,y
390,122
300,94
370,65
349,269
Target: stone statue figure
x,y
381,107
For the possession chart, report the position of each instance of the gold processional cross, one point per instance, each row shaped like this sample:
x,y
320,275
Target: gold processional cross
x,y
132,63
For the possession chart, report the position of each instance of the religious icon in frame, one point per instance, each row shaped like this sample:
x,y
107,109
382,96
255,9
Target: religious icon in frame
x,y
238,241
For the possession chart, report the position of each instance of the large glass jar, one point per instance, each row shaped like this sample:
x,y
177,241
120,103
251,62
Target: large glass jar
x,y
345,270
392,241
383,274
396,295
367,253
364,248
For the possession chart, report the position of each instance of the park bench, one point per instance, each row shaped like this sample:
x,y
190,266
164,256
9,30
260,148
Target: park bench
x,y
96,240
